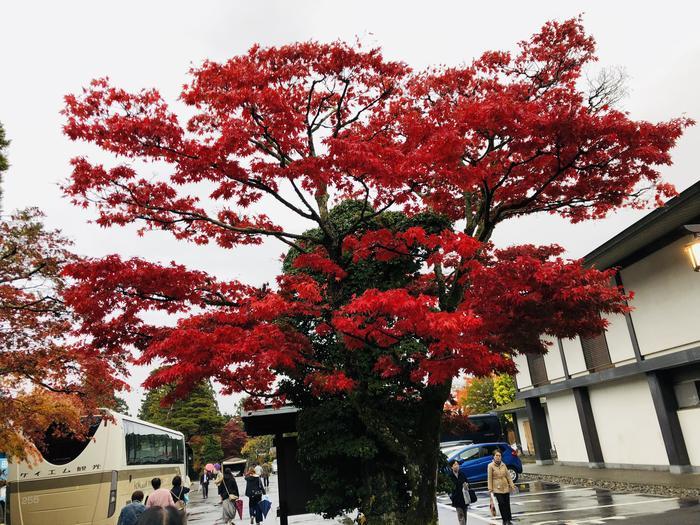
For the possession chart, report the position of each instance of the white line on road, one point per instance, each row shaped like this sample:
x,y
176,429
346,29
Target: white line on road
x,y
476,516
595,507
526,494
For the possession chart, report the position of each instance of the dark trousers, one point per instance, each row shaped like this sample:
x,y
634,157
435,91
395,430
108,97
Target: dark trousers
x,y
254,508
205,490
504,506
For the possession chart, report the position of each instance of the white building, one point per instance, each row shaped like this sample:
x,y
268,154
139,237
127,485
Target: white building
x,y
629,398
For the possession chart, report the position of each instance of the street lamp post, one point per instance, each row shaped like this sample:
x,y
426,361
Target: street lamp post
x,y
694,246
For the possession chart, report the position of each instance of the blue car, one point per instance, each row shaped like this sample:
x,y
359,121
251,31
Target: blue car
x,y
474,459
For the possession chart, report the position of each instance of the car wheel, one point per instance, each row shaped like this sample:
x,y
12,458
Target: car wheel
x,y
513,474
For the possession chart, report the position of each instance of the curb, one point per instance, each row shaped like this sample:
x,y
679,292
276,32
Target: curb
x,y
621,486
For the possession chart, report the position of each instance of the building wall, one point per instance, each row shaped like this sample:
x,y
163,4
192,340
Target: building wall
x,y
619,340
574,356
627,425
690,425
522,378
565,428
552,360
664,285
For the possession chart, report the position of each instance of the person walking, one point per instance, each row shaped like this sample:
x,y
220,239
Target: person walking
x,y
228,490
266,470
459,490
160,497
218,478
179,493
204,483
255,491
132,511
500,485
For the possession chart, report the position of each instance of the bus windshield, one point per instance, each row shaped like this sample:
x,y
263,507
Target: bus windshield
x,y
60,447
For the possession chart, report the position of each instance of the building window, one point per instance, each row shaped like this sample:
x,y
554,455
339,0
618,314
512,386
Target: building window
x,y
538,370
596,353
687,394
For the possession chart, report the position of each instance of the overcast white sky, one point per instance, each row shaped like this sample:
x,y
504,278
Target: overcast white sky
x,y
53,48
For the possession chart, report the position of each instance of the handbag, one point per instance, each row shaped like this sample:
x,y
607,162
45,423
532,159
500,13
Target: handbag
x,y
468,494
492,507
180,503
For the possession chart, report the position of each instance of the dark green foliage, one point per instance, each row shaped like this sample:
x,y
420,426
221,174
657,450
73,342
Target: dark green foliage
x,y
210,450
119,405
4,163
4,143
370,273
197,416
357,445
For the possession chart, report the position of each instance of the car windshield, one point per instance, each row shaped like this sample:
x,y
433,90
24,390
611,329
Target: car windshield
x,y
451,451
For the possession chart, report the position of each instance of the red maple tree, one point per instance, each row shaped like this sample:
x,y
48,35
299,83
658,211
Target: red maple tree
x,y
233,437
303,127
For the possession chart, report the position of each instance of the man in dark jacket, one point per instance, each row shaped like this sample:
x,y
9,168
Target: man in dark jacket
x,y
131,513
460,489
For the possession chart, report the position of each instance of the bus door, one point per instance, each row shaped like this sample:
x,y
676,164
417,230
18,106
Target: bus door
x,y
105,496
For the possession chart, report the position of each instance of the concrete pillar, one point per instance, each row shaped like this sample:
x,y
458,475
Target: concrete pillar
x,y
588,428
518,439
540,431
667,412
282,480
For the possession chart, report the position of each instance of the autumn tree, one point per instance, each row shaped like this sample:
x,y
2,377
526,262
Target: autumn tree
x,y
259,449
233,438
47,379
480,398
503,389
296,130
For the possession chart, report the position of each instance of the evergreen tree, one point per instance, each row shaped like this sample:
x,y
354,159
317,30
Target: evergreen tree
x,y
197,416
4,164
118,405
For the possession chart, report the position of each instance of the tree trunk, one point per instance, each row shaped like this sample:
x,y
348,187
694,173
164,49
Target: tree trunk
x,y
421,464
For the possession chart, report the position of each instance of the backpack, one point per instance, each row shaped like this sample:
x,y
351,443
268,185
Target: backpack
x,y
259,490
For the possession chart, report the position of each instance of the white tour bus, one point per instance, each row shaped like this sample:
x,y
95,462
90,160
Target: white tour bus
x,y
86,482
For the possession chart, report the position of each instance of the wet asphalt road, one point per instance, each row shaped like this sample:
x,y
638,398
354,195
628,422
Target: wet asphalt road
x,y
543,503
537,503
207,512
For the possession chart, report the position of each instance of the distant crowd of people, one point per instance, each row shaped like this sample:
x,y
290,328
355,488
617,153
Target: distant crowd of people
x,y
168,506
